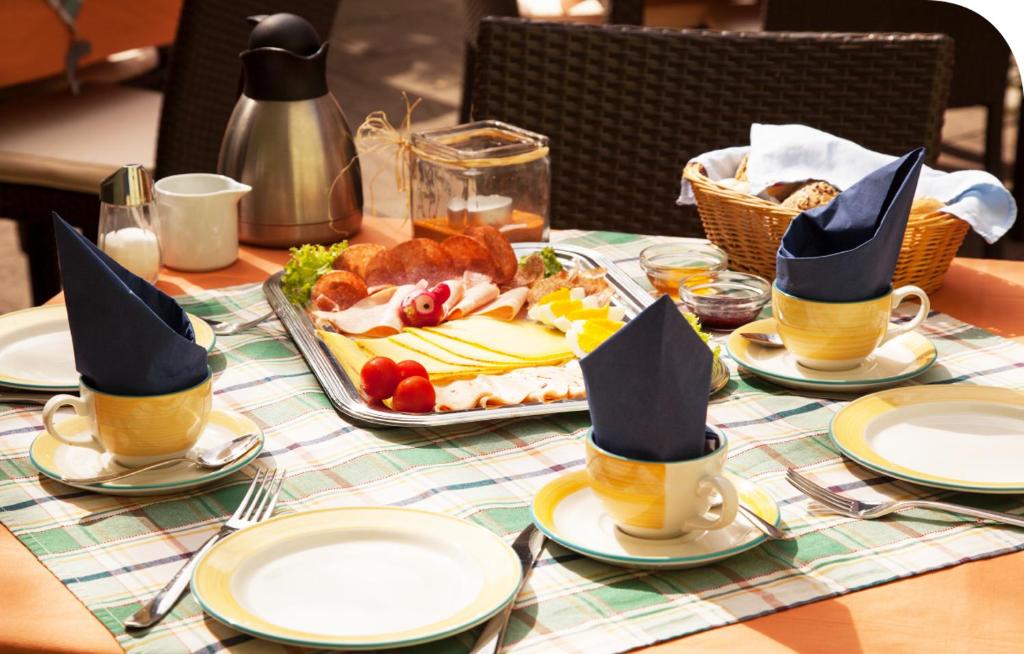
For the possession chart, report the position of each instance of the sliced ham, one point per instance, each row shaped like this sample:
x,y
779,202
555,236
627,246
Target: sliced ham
x,y
506,306
376,315
477,291
455,286
541,384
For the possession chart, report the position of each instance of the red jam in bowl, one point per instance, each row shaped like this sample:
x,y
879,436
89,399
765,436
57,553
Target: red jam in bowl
x,y
724,300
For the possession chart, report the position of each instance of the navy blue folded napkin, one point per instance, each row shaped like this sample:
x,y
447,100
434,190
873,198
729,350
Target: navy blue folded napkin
x,y
846,250
647,387
129,337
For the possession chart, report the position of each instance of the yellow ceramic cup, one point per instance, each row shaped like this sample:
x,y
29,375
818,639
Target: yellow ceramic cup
x,y
651,499
840,335
137,429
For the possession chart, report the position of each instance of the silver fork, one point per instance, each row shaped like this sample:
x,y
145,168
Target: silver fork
x,y
258,504
229,328
868,510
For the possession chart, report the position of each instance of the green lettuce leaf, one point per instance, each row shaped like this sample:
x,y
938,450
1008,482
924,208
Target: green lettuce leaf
x,y
305,267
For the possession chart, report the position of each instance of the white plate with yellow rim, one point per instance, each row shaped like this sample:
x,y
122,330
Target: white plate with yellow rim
x,y
570,514
60,461
357,578
957,436
36,351
902,358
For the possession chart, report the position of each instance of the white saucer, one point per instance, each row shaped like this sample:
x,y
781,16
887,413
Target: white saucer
x,y
59,460
36,352
902,358
569,513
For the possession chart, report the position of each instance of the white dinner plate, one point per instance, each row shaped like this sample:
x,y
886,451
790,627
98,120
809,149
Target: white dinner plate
x,y
36,351
902,358
357,578
959,437
569,513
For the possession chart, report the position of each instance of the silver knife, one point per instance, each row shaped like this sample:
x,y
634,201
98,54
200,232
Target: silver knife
x,y
527,546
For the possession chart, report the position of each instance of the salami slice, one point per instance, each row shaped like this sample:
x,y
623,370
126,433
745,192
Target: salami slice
x,y
502,254
356,258
409,262
341,287
469,254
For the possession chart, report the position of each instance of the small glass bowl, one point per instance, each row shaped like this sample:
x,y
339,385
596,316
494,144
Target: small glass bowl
x,y
725,300
667,264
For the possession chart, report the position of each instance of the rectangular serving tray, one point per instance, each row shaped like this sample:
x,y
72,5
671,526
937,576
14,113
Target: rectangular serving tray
x,y
346,398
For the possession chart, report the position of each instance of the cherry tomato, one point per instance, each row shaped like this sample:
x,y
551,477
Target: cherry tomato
x,y
410,368
414,395
380,376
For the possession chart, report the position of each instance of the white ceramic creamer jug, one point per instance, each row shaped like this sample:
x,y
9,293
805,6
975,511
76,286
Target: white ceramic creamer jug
x,y
199,220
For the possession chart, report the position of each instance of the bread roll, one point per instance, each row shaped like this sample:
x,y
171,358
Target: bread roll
x,y
810,195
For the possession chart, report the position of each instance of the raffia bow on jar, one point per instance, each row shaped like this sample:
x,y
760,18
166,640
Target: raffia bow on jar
x,y
485,172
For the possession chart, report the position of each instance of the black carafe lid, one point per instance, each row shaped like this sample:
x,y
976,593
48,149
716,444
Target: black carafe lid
x,y
285,60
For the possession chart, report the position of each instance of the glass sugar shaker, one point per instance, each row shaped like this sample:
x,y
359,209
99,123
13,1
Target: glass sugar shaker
x,y
129,224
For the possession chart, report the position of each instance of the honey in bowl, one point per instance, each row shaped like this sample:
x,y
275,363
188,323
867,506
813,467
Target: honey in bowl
x,y
668,264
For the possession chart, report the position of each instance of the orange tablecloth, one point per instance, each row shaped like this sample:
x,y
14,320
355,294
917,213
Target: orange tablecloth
x,y
969,608
34,40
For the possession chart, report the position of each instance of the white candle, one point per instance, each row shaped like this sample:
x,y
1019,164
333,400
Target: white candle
x,y
494,210
136,249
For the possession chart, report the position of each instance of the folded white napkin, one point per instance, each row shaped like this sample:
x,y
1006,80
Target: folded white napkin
x,y
793,153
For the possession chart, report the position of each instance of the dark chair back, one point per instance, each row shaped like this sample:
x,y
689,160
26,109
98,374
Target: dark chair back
x,y
204,73
627,107
620,12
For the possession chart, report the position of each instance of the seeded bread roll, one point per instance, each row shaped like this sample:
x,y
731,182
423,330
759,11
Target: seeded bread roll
x,y
810,195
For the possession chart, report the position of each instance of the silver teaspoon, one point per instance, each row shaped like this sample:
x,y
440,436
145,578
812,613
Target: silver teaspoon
x,y
210,458
762,339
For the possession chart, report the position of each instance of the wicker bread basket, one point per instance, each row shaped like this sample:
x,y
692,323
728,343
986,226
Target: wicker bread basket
x,y
749,229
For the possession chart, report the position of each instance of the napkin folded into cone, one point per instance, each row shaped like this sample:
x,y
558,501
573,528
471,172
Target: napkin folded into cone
x,y
846,250
647,387
129,337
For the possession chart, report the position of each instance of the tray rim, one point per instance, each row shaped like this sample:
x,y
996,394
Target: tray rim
x,y
345,398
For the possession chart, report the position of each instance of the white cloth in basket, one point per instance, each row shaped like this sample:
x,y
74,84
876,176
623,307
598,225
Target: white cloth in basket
x,y
793,153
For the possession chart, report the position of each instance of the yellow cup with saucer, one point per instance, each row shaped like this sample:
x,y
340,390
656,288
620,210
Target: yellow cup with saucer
x,y
840,335
655,499
137,429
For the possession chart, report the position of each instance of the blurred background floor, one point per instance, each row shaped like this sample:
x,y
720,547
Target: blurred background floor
x,y
383,47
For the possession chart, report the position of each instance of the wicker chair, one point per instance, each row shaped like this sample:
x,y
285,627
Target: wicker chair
x,y
199,93
626,107
620,12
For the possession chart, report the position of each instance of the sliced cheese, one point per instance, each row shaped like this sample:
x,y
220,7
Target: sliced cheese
x,y
384,347
523,339
424,347
461,348
346,352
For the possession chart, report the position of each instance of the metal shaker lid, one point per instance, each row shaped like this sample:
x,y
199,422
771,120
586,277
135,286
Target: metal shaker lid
x,y
130,185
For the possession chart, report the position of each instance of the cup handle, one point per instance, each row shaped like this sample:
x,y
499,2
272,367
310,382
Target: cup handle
x,y
730,502
898,297
50,412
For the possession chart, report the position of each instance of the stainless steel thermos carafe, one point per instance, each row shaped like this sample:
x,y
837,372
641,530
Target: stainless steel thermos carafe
x,y
287,138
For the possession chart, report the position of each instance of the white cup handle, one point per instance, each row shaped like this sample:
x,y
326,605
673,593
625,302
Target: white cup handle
x,y
50,412
730,502
898,297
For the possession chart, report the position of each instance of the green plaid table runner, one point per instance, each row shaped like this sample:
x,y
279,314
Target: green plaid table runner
x,y
113,552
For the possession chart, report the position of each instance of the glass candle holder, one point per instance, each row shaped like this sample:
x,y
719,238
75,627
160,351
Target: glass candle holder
x,y
482,173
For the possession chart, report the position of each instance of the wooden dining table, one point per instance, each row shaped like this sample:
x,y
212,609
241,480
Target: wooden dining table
x,y
973,607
